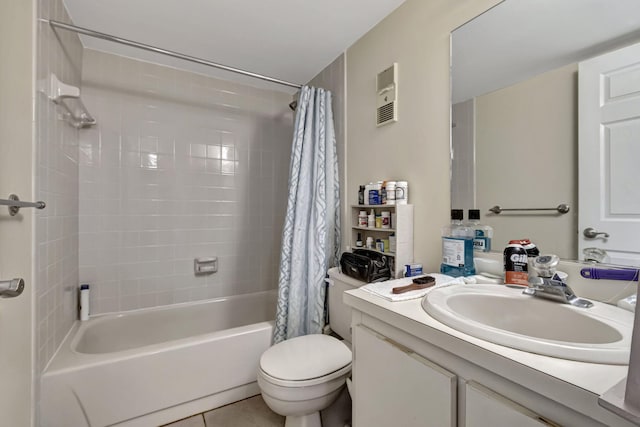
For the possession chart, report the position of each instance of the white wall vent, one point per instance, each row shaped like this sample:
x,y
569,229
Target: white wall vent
x,y
387,87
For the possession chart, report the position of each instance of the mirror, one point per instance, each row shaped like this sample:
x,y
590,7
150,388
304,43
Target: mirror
x,y
515,116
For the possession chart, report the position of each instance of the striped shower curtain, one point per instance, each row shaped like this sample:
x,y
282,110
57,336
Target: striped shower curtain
x,y
311,235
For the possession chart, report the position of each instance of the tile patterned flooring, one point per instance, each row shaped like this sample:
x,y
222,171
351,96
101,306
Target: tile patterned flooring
x,y
252,412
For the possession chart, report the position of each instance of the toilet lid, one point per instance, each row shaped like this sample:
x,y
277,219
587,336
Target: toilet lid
x,y
306,357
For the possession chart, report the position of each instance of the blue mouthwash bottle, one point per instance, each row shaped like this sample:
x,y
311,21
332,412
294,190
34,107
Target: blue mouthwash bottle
x,y
482,233
457,247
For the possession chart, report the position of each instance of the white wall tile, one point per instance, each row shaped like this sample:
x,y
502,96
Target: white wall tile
x,y
179,166
57,182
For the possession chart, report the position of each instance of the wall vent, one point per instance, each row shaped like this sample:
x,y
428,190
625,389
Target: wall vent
x,y
387,88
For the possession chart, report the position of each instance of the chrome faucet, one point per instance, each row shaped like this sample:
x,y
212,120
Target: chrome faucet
x,y
549,285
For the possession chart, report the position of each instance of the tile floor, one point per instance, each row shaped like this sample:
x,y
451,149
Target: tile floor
x,y
252,412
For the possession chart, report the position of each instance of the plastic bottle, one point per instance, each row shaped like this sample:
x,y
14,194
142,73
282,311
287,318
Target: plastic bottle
x,y
383,193
363,221
457,247
369,242
361,195
84,302
390,188
482,233
359,241
371,220
515,264
532,253
392,242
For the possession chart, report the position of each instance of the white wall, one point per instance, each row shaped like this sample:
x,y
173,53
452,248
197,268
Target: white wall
x,y
16,240
179,166
417,147
526,156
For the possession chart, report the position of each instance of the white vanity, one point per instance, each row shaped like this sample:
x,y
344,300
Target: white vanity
x,y
412,370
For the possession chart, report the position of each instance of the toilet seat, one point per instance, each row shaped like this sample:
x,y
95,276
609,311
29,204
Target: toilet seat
x,y
306,383
305,360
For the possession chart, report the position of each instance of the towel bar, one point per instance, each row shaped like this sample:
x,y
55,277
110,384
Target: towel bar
x,y
15,204
562,209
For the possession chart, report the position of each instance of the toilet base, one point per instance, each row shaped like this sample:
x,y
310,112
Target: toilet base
x,y
310,420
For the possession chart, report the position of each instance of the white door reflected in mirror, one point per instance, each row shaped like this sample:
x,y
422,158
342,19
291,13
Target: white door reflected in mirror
x,y
609,149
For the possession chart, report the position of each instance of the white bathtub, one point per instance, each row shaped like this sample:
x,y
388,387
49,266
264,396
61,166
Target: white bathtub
x,y
153,366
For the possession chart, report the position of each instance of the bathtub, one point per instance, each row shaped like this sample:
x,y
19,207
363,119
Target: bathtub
x,y
153,366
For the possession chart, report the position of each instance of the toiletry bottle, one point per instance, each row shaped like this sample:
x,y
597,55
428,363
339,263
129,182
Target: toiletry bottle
x,y
84,302
483,233
457,247
371,219
361,195
515,265
392,242
367,189
378,221
532,253
386,219
359,241
383,193
369,242
363,221
391,192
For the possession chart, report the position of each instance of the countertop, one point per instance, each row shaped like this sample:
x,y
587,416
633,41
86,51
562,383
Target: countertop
x,y
410,317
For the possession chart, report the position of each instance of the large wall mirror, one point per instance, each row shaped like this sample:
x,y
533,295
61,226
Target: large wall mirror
x,y
535,90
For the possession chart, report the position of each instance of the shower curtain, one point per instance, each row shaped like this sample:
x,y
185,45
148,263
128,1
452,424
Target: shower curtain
x,y
311,235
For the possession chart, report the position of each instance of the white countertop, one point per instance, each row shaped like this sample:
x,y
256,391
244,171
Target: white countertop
x,y
410,317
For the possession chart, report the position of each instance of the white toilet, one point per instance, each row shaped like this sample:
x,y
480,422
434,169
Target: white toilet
x,y
304,375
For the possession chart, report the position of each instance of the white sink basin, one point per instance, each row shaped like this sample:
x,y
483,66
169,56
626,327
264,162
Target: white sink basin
x,y
502,315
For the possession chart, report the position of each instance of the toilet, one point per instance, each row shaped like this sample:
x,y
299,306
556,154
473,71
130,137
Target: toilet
x,y
301,376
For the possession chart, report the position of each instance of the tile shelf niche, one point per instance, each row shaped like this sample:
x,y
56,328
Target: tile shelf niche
x,y
402,227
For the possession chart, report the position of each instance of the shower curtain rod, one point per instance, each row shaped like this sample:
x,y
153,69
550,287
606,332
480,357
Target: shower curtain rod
x,y
103,36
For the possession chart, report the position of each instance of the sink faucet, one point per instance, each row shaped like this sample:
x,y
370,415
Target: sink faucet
x,y
549,285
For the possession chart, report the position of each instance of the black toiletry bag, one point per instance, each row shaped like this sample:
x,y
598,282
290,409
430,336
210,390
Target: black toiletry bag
x,y
365,265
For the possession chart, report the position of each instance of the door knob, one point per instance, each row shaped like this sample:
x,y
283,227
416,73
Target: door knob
x,y
11,288
592,233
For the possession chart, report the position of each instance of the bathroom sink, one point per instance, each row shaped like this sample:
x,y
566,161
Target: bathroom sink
x,y
503,315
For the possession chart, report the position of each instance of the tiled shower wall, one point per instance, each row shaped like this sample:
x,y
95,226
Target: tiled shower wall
x,y
179,166
56,227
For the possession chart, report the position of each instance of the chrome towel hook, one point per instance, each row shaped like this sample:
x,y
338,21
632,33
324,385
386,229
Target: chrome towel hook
x,y
15,204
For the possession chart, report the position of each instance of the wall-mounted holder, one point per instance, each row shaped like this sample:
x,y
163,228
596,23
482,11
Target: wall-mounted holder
x,y
205,265
68,97
14,203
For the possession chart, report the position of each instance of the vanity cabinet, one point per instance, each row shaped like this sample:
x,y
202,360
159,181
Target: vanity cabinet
x,y
483,408
409,374
394,386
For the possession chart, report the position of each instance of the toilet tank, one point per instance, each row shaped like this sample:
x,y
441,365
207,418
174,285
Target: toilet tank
x,y
339,312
